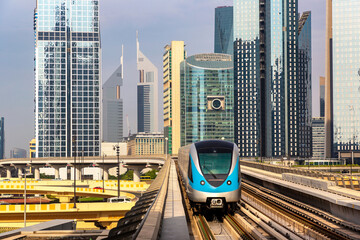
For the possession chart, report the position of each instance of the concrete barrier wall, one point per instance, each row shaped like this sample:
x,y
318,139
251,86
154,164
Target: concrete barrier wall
x,y
308,181
51,225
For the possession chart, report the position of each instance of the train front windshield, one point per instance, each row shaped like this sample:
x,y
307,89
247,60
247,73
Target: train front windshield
x,y
215,161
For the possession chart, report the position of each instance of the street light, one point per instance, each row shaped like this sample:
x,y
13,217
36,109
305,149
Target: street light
x,y
351,108
25,174
103,172
74,142
117,148
166,146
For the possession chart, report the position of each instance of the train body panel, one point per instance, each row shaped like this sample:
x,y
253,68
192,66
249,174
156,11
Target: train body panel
x,y
211,170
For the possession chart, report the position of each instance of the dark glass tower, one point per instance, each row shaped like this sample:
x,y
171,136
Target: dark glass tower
x,y
322,96
67,78
266,78
224,30
304,86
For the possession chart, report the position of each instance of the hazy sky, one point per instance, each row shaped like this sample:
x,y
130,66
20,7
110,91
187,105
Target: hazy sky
x,y
158,23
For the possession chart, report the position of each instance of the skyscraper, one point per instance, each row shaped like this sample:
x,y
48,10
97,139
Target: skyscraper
x,y
322,96
17,153
224,30
343,78
267,87
147,93
207,98
113,105
304,67
318,138
173,56
67,78
329,82
2,138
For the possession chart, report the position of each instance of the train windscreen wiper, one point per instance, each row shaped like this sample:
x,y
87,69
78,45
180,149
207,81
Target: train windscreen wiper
x,y
212,174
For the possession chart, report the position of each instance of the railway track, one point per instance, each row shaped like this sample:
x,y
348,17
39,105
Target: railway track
x,y
293,212
320,213
204,228
201,229
240,230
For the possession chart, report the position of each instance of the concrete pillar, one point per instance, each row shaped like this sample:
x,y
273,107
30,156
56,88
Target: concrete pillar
x,y
136,175
57,172
8,172
106,173
20,172
37,173
78,173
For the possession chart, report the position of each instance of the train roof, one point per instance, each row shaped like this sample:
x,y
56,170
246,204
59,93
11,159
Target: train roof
x,y
214,143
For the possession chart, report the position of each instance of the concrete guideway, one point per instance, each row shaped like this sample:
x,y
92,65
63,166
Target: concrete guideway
x,y
136,163
144,220
63,193
341,206
103,213
108,184
340,180
174,224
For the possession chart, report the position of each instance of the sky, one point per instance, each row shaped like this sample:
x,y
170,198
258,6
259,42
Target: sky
x,y
158,22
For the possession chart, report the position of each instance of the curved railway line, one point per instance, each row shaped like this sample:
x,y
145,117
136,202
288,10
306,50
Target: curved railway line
x,y
302,213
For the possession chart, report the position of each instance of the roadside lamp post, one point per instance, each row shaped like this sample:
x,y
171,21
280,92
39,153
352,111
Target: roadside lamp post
x,y
117,149
166,146
103,172
25,174
74,142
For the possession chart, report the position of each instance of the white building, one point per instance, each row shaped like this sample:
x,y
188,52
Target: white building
x,y
113,105
147,93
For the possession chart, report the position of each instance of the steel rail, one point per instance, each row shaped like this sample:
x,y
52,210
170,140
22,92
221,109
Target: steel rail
x,y
204,228
294,214
238,228
307,207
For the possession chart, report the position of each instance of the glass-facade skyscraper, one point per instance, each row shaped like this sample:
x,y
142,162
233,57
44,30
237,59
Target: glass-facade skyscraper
x,y
67,77
207,98
113,106
224,30
2,138
266,75
147,94
345,75
322,96
304,86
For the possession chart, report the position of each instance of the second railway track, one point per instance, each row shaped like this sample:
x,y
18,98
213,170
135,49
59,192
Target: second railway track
x,y
327,229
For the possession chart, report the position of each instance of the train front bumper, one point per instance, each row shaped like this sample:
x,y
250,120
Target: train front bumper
x,y
203,197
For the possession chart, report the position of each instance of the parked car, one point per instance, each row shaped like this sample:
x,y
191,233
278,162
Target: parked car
x,y
98,188
119,200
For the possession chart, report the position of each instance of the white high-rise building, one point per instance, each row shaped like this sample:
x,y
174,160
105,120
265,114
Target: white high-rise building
x,y
147,93
113,105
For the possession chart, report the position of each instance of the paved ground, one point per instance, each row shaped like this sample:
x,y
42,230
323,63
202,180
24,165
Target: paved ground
x,y
174,222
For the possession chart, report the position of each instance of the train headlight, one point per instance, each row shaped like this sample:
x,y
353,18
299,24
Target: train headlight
x,y
202,182
228,182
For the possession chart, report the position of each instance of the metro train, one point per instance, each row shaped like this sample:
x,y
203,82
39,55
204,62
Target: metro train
x,y
211,173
